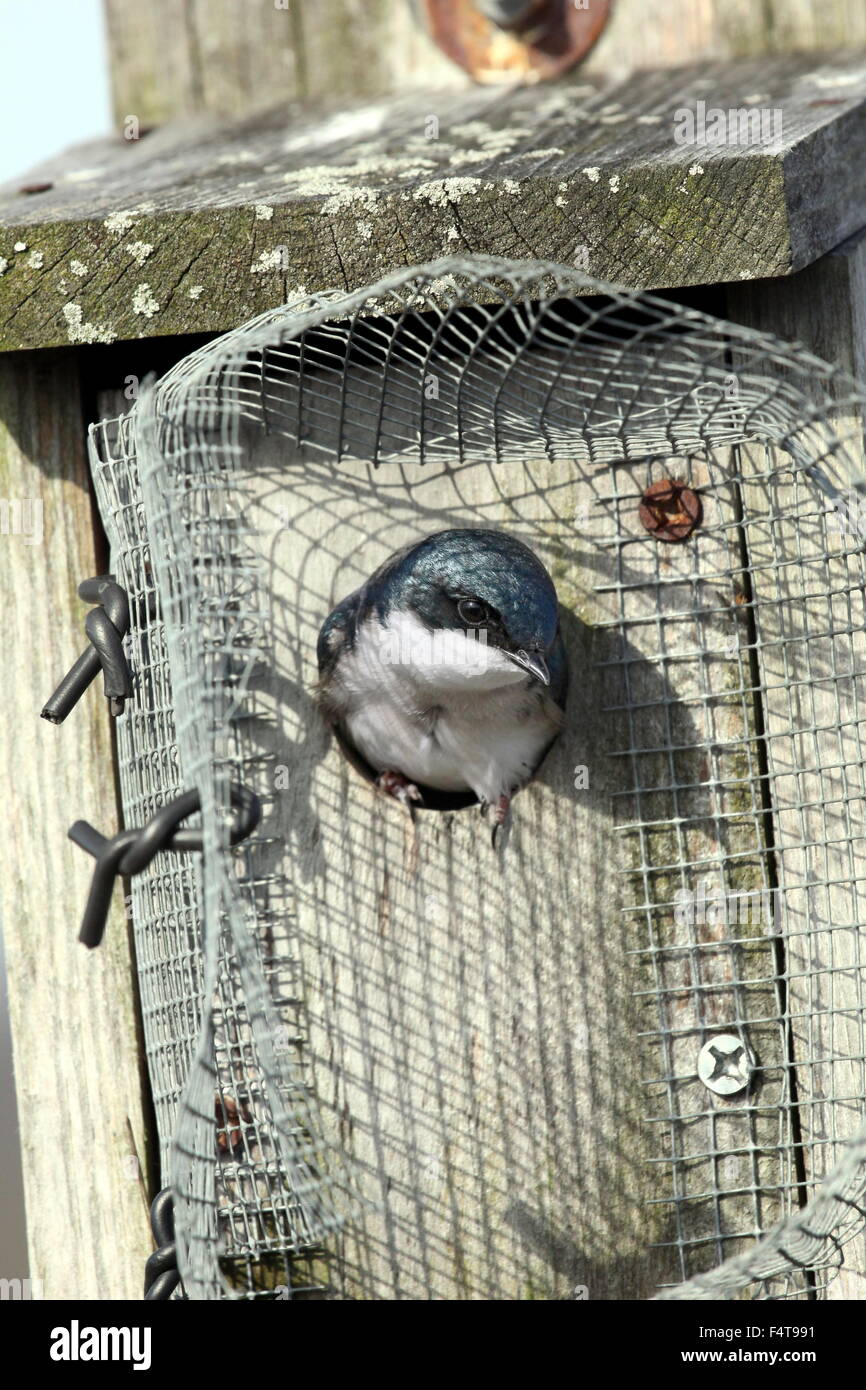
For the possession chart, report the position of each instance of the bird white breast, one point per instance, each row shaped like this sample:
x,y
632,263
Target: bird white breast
x,y
441,707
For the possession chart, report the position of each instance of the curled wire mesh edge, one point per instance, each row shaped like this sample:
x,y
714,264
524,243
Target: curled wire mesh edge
x,y
804,1240
165,405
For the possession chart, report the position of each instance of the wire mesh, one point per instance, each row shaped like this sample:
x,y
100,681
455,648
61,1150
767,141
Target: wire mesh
x,y
734,668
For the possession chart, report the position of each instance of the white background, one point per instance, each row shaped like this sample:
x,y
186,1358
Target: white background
x,y
53,79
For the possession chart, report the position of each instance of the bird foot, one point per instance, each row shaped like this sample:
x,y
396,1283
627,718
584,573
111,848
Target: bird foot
x,y
501,821
400,788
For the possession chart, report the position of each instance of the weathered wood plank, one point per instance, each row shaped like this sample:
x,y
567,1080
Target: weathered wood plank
x,y
474,1035
233,59
814,687
683,31
196,228
73,1019
695,854
465,1012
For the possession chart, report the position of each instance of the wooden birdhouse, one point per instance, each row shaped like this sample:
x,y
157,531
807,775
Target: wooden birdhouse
x,y
608,1056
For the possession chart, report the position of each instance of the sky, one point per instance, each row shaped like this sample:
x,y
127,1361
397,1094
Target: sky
x,y
53,93
53,79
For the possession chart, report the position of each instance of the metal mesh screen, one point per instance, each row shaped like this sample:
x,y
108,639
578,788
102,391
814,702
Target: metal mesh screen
x,y
259,1213
735,667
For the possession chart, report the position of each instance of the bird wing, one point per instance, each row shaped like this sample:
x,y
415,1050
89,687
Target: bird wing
x,y
337,634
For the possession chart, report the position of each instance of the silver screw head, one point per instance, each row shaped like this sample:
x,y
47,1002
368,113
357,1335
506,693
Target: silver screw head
x,y
725,1064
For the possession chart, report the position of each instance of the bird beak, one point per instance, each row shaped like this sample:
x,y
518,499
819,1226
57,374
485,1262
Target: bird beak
x,y
534,663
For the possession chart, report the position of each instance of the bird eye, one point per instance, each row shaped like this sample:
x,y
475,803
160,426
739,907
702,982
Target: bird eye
x,y
472,611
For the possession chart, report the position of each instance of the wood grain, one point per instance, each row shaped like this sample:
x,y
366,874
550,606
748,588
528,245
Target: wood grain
x,y
465,1012
683,31
810,620
695,854
483,1029
233,59
74,1026
198,227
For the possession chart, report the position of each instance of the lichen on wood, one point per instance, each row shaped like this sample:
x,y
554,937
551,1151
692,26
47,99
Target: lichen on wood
x,y
221,223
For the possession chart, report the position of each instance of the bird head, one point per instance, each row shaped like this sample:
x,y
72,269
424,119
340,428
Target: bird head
x,y
484,598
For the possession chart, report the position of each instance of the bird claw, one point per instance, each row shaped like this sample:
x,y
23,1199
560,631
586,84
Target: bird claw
x,y
400,788
501,822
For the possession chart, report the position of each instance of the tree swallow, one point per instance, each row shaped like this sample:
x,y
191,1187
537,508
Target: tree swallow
x,y
446,671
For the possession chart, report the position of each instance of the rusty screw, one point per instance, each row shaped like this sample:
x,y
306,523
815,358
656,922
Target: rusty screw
x,y
669,510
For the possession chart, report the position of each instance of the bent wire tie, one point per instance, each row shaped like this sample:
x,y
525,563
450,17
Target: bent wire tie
x,y
161,1275
130,851
106,626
